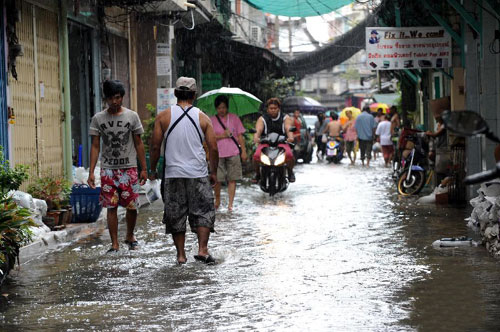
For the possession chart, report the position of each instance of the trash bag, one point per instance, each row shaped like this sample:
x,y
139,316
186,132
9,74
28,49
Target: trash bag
x,y
23,199
152,190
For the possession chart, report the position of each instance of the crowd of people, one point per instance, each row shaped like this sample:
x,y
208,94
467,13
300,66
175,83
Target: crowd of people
x,y
200,153
368,133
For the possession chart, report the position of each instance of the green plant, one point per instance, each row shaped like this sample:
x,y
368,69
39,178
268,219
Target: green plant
x,y
276,87
10,178
249,123
54,190
14,230
149,126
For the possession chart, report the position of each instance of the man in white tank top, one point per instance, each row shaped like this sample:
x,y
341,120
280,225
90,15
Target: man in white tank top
x,y
186,182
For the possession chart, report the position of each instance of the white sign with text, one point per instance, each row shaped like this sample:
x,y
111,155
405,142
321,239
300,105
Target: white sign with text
x,y
408,48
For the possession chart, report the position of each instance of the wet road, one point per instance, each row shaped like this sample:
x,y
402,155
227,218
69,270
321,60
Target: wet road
x,y
339,251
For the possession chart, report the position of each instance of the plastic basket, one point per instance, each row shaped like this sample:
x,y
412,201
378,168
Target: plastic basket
x,y
85,203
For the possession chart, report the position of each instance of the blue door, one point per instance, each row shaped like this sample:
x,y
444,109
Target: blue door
x,y
3,88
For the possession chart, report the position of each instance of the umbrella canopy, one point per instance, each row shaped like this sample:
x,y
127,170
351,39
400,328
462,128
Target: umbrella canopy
x,y
375,106
355,112
303,104
240,102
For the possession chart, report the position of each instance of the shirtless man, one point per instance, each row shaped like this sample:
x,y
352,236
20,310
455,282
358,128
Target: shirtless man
x,y
333,129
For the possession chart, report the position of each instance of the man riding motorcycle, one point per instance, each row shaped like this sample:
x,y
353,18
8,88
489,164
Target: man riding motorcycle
x,y
334,129
274,121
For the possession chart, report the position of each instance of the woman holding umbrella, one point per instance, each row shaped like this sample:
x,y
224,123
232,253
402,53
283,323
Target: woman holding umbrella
x,y
230,141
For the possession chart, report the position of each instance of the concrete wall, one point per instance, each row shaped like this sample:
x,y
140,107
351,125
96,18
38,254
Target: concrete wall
x,y
482,93
146,67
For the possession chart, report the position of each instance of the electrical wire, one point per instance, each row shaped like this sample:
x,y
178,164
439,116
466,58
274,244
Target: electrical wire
x,y
282,33
491,46
319,14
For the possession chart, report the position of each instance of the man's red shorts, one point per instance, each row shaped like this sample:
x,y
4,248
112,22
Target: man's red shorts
x,y
288,151
119,187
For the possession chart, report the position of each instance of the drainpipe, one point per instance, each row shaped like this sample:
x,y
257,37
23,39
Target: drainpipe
x,y
63,44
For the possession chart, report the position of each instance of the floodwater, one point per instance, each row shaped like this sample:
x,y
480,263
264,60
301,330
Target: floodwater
x,y
338,251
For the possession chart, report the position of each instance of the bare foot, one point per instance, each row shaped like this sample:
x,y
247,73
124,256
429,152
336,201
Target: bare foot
x,y
181,259
229,208
217,204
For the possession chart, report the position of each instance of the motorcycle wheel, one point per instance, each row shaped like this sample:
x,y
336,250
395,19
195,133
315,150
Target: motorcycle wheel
x,y
396,166
413,185
272,183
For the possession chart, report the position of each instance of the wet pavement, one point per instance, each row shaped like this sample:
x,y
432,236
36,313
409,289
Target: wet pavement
x,y
338,251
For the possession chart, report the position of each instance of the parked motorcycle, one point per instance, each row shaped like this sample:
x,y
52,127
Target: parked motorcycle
x,y
273,169
414,166
403,147
334,150
469,123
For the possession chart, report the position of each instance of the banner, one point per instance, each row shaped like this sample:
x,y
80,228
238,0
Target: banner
x,y
165,99
407,48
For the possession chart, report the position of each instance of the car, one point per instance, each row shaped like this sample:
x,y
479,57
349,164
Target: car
x,y
303,150
310,120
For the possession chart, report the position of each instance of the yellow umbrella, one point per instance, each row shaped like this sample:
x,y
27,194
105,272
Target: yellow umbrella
x,y
355,112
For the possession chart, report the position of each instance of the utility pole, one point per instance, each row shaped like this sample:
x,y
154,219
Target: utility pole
x,y
379,81
290,36
277,33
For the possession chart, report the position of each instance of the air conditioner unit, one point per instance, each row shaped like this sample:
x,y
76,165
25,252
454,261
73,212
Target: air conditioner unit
x,y
255,32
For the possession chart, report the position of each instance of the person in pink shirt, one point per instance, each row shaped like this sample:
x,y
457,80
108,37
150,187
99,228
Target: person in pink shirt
x,y
231,144
350,136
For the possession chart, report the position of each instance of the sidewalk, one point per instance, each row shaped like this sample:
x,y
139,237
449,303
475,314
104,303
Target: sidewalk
x,y
72,232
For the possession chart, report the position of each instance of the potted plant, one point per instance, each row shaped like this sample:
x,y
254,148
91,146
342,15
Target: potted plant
x,y
55,191
14,221
14,233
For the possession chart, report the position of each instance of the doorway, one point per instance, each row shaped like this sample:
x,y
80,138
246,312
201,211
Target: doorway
x,y
81,91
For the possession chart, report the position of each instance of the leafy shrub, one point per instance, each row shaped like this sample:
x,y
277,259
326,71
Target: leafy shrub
x,y
14,230
10,178
14,221
148,128
54,190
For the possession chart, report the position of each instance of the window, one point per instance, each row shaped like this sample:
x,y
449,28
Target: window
x,y
308,84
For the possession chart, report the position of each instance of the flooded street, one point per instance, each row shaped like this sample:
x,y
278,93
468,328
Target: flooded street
x,y
338,251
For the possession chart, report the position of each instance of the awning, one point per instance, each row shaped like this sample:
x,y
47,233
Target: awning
x,y
386,98
298,8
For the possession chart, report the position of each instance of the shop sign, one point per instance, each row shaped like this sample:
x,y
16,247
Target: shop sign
x,y
163,65
163,48
407,48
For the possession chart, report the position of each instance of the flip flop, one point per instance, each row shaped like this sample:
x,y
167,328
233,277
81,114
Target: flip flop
x,y
132,245
111,250
208,259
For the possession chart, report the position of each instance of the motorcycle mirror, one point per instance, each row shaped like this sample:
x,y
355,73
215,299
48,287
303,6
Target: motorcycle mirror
x,y
467,123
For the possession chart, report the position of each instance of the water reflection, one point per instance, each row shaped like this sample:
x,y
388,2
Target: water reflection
x,y
339,250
